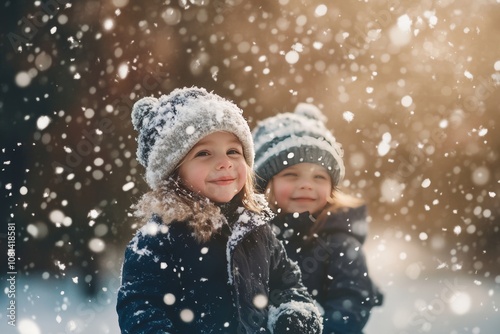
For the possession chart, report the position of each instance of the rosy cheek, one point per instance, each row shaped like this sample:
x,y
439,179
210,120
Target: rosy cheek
x,y
283,194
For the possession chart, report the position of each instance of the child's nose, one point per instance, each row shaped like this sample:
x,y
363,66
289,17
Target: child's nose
x,y
305,184
224,163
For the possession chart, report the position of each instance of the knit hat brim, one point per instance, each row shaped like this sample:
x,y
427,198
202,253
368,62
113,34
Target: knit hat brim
x,y
295,150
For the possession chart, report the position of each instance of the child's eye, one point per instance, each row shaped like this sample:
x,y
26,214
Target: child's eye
x,y
233,151
290,174
324,177
201,154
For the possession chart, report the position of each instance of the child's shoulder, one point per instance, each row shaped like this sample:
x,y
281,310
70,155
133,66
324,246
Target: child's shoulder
x,y
154,230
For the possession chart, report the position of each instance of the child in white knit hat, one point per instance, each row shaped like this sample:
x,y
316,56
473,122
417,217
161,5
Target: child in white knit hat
x,y
205,260
299,167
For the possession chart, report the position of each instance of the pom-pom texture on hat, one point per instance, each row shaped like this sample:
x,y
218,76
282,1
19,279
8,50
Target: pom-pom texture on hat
x,y
169,127
287,139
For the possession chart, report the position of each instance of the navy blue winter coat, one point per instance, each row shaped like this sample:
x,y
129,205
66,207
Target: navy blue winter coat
x,y
239,281
333,266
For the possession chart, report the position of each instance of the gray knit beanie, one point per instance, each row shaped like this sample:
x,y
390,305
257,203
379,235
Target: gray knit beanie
x,y
287,139
170,126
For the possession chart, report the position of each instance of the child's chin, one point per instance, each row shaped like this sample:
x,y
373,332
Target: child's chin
x,y
221,199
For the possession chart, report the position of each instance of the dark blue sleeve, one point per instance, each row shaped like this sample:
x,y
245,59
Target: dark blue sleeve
x,y
140,305
351,293
293,309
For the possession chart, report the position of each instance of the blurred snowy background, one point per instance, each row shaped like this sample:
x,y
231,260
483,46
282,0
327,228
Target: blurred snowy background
x,y
410,89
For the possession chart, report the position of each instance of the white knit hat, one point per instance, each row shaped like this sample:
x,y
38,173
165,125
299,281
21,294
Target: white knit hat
x,y
287,139
170,126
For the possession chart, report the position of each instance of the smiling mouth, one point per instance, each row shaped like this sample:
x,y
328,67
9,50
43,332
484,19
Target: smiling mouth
x,y
223,181
303,199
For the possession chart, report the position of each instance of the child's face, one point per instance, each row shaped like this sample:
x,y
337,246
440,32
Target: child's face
x,y
302,187
215,167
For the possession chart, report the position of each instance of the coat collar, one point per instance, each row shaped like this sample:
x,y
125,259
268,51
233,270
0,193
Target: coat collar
x,y
247,221
348,220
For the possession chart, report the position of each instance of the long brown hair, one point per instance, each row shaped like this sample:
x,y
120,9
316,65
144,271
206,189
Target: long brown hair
x,y
246,195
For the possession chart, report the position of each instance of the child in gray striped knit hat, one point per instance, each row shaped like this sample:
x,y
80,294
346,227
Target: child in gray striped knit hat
x,y
299,167
291,138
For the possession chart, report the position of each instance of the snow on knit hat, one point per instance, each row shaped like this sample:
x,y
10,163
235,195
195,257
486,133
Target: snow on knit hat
x,y
287,139
169,127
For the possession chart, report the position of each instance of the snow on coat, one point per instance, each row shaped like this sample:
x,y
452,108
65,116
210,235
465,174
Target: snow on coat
x,y
237,280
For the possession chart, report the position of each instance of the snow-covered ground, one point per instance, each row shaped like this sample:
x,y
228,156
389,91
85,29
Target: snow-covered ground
x,y
421,296
57,306
424,295
437,304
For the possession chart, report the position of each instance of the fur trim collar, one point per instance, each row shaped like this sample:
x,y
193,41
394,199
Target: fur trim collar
x,y
172,202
